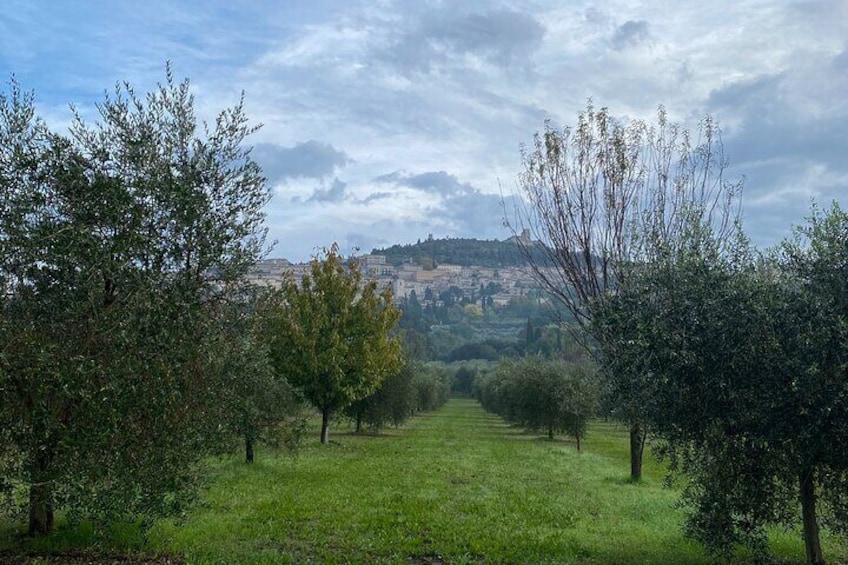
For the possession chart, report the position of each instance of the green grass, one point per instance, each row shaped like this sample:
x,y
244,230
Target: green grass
x,y
455,486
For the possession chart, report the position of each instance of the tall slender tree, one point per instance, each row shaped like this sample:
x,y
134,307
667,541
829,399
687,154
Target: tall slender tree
x,y
601,195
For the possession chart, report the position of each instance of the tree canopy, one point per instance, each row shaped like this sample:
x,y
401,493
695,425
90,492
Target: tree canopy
x,y
332,335
118,245
537,394
742,362
601,195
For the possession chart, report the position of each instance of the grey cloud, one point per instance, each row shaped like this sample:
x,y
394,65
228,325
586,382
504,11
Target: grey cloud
x,y
503,37
595,16
821,14
463,209
393,177
761,92
333,193
630,34
439,182
840,62
309,159
770,126
477,215
788,153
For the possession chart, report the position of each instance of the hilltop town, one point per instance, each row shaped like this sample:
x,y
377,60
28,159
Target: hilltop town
x,y
472,283
437,272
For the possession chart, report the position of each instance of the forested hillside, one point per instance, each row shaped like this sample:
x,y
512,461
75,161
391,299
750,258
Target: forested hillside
x,y
456,251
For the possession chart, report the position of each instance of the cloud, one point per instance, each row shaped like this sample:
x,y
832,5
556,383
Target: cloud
x,y
786,132
376,197
477,215
309,159
761,92
461,209
334,193
840,62
422,105
439,182
503,37
630,34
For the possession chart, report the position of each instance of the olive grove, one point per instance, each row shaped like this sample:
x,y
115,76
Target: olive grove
x,y
121,244
743,359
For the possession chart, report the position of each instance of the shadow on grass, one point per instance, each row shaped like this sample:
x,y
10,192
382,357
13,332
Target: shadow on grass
x,y
369,434
87,557
82,544
624,481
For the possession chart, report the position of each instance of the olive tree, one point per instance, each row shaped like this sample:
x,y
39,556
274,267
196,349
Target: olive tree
x,y
432,383
118,244
331,335
262,404
393,402
542,395
600,195
743,363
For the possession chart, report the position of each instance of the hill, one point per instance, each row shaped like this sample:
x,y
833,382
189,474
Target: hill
x,y
456,251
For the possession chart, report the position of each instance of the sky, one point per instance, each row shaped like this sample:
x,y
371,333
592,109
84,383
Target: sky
x,y
387,121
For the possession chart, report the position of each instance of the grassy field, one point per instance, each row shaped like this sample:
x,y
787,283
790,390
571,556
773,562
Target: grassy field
x,y
455,486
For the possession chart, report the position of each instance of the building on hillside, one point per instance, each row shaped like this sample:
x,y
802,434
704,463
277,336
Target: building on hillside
x,y
450,268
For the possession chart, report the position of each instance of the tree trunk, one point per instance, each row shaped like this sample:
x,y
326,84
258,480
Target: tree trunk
x,y
41,495
637,446
577,436
248,449
550,432
325,426
358,422
40,509
812,542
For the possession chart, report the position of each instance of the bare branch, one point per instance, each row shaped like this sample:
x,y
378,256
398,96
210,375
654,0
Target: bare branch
x,y
600,196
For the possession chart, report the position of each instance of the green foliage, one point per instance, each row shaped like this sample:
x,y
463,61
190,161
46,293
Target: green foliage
x,y
463,380
264,407
120,247
331,335
742,373
456,251
392,403
541,395
432,385
488,350
455,333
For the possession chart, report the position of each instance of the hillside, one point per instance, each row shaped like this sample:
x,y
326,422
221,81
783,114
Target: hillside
x,y
456,251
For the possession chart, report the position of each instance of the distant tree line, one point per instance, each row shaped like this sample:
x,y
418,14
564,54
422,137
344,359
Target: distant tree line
x,y
453,331
466,252
414,388
551,396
